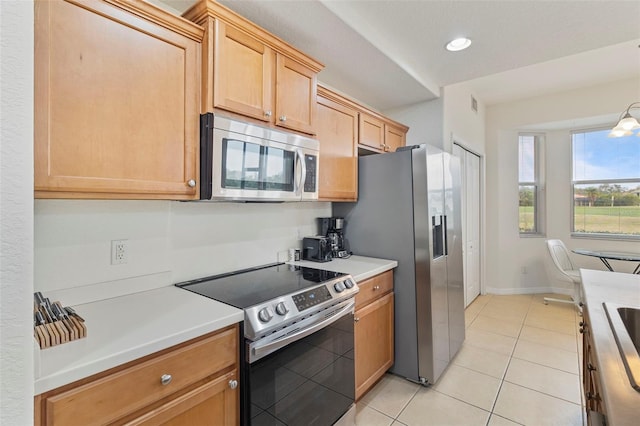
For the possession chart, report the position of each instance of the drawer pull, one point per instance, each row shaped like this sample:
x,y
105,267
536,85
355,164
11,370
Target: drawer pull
x,y
376,287
233,384
356,319
165,379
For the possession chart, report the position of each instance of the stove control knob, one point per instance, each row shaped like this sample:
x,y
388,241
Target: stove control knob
x,y
265,315
348,283
281,309
339,287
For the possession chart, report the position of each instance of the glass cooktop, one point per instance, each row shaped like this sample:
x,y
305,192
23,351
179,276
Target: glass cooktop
x,y
250,287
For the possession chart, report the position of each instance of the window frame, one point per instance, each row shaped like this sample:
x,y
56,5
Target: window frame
x,y
573,183
538,184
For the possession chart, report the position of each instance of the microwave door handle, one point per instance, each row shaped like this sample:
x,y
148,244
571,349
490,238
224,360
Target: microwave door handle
x,y
303,173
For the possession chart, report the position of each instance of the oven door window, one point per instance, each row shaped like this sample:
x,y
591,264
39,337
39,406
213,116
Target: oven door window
x,y
253,166
310,382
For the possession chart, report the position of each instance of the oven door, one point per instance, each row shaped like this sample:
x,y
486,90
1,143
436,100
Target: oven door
x,y
308,379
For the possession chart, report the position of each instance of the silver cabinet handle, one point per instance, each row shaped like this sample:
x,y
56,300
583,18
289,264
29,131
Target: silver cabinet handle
x,y
165,379
376,287
268,113
283,118
191,183
356,319
233,384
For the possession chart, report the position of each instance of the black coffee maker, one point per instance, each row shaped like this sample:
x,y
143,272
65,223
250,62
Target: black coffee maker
x,y
333,229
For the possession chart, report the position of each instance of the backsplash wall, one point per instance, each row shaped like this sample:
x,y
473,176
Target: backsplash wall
x,y
167,242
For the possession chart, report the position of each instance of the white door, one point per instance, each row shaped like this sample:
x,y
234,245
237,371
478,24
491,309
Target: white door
x,y
471,199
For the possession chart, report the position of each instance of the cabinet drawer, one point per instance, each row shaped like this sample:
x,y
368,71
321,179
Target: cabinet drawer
x,y
374,288
123,392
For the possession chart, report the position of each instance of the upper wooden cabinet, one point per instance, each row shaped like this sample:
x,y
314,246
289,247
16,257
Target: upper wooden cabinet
x,y
371,131
250,72
338,136
117,93
394,137
344,128
381,134
243,75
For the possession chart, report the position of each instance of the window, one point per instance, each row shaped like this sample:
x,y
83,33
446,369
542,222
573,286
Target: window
x,y
606,184
530,185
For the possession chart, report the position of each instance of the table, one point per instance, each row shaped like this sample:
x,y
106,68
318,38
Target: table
x,y
605,256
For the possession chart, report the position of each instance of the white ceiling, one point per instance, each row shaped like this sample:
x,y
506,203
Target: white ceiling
x,y
390,53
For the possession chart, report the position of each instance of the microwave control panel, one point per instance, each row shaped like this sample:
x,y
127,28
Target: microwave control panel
x,y
310,181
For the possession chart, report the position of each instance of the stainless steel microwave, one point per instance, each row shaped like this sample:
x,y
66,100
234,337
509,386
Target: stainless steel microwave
x,y
241,161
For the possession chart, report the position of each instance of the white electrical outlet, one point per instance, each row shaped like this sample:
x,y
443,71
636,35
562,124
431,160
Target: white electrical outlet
x,y
119,251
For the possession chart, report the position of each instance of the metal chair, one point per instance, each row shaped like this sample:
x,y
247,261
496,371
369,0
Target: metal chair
x,y
560,256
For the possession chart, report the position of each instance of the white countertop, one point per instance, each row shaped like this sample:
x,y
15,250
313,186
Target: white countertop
x,y
125,328
122,329
359,267
622,402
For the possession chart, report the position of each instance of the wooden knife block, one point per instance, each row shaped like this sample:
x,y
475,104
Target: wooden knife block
x,y
59,332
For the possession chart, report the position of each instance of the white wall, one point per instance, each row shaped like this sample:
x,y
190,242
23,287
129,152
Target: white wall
x,y
556,114
460,123
168,242
16,212
425,122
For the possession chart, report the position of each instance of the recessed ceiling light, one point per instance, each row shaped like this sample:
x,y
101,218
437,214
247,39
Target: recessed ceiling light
x,y
458,44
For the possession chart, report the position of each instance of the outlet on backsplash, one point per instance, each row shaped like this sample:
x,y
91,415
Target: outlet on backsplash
x,y
119,252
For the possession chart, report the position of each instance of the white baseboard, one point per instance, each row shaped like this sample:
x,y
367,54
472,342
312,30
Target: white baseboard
x,y
527,290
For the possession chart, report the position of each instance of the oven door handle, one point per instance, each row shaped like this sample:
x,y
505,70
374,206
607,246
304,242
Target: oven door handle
x,y
260,351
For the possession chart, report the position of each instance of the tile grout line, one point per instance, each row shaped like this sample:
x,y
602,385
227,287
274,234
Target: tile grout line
x,y
504,375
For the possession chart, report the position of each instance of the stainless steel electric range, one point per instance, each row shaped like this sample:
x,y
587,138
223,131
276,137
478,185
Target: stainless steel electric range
x,y
297,351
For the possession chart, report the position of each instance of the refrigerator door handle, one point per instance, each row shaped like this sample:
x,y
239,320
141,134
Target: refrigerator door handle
x,y
444,235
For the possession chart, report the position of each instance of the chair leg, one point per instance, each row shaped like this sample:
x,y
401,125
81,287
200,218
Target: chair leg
x,y
572,301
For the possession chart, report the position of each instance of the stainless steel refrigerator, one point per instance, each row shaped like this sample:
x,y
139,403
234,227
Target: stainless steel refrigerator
x,y
408,209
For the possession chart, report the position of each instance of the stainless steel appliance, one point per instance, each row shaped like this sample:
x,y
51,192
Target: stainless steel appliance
x,y
240,161
297,355
408,209
333,229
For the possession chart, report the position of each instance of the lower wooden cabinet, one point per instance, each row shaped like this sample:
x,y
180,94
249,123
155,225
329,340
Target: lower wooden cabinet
x,y
192,383
594,400
374,338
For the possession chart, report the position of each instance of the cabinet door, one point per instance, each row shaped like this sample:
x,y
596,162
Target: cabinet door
x,y
296,89
338,135
243,73
393,138
116,110
371,132
213,403
373,342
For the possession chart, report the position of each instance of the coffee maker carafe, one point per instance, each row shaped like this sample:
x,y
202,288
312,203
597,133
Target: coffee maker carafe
x,y
333,229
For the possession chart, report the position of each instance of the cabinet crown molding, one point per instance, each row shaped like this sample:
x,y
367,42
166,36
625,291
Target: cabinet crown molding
x,y
159,16
350,102
210,9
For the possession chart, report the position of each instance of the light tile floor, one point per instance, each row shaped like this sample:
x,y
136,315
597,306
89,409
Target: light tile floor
x,y
519,364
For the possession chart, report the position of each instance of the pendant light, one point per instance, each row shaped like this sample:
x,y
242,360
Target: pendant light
x,y
626,123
